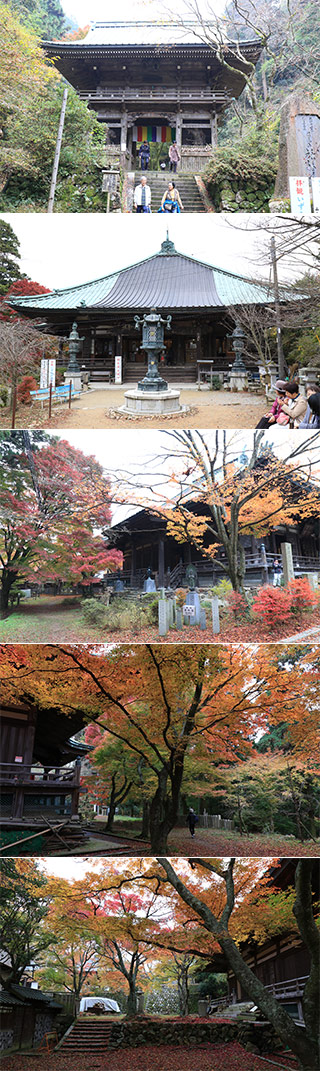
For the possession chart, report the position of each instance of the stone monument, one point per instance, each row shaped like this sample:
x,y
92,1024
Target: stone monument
x,y
287,563
191,608
299,144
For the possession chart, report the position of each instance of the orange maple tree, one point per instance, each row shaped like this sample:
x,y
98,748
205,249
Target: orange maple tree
x,y
173,714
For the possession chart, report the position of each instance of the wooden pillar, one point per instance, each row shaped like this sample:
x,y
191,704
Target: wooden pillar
x,y
29,739
161,561
75,794
199,346
133,561
18,801
214,130
123,137
179,121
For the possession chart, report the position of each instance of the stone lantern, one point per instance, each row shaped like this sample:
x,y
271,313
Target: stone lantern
x,y
152,396
153,327
238,374
73,372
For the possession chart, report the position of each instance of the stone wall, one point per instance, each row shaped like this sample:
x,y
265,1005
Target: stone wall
x,y
255,1037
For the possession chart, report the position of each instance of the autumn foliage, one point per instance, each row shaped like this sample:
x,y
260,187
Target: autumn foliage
x,y
50,514
275,605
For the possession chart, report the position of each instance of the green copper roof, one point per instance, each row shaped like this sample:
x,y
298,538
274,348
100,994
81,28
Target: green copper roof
x,y
165,280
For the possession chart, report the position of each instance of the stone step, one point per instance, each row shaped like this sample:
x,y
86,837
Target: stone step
x,y
185,183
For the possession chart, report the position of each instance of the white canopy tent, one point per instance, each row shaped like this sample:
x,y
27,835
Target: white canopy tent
x,y
89,1002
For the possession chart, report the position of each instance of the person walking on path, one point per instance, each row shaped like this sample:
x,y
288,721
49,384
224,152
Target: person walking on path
x,y
144,155
142,196
174,156
191,820
171,201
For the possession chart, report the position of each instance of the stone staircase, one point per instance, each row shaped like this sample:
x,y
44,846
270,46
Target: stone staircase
x,y
185,183
90,1036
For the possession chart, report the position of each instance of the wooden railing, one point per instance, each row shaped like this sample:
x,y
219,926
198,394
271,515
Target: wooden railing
x,y
294,987
154,93
13,774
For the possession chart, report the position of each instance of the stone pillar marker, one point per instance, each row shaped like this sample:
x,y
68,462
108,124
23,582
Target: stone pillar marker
x,y
215,615
287,563
299,143
163,617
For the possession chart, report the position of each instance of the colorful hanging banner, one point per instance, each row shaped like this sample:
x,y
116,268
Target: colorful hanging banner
x,y
152,134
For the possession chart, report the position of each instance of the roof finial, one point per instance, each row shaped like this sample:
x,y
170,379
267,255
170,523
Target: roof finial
x,y
167,246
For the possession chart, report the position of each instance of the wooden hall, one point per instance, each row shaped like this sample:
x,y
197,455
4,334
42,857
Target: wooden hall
x,y
201,298
154,81
40,766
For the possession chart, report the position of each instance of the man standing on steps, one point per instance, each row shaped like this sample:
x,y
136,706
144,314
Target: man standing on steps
x,y
142,196
144,155
174,156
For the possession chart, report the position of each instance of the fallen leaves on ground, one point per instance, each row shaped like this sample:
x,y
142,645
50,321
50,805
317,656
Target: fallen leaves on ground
x,y
216,843
207,1057
59,618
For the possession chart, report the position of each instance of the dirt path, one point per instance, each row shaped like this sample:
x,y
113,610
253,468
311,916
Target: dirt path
x,y
208,409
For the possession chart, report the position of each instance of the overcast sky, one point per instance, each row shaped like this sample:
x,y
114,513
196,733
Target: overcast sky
x,y
62,250
85,11
146,457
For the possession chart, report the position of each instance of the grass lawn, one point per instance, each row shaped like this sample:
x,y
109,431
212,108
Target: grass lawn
x,y
206,1057
50,619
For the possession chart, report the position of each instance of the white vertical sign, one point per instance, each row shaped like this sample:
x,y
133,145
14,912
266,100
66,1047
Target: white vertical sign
x,y
44,374
52,372
118,369
300,195
315,183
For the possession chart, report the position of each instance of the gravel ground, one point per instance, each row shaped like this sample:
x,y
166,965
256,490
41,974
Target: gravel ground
x,y
207,409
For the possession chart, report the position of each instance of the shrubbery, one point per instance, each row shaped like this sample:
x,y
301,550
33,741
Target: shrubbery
x,y
241,174
238,606
27,384
121,614
275,605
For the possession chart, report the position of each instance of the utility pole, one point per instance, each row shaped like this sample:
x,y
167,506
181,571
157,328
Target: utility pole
x,y
57,152
281,361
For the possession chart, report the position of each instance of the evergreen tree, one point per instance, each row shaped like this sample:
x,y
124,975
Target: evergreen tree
x,y
9,257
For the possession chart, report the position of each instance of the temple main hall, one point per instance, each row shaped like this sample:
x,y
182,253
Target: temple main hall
x,y
201,299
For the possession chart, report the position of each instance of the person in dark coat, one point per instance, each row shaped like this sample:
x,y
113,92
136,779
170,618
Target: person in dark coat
x,y
191,820
314,405
144,155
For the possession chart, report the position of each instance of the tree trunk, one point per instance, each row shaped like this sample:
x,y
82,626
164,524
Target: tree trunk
x,y
310,935
112,808
131,1000
8,579
292,1035
163,816
145,830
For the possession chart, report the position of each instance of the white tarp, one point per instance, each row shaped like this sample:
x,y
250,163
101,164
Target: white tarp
x,y
109,1005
